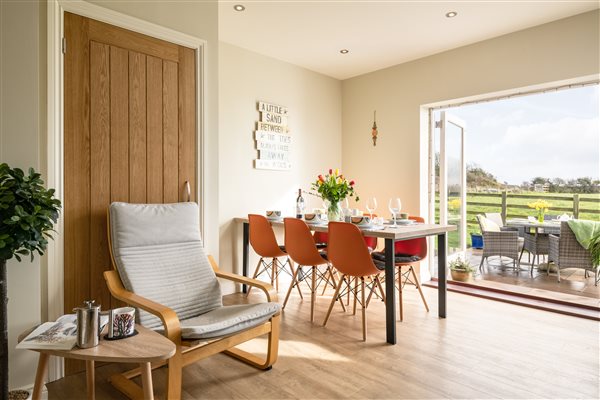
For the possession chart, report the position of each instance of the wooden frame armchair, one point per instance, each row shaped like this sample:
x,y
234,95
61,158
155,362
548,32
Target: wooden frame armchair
x,y
193,340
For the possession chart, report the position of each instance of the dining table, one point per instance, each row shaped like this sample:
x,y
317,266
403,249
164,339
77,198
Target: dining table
x,y
390,234
549,226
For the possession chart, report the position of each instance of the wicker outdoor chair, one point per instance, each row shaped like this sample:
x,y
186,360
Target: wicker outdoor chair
x,y
566,252
536,245
497,242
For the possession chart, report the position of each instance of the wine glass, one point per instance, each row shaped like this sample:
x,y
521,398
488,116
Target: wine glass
x,y
371,205
346,208
395,205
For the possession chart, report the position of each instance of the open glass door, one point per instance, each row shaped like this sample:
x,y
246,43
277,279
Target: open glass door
x,y
453,182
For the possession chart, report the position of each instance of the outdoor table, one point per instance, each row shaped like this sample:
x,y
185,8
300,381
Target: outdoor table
x,y
391,235
547,226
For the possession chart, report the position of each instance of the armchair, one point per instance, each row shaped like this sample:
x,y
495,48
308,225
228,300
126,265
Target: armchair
x,y
497,242
566,252
159,267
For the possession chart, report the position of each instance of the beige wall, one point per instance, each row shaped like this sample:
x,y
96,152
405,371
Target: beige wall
x,y
314,103
22,123
560,50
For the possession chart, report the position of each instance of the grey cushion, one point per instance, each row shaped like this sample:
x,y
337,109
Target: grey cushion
x,y
159,255
226,320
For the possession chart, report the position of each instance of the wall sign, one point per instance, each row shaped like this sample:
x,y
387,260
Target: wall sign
x,y
273,141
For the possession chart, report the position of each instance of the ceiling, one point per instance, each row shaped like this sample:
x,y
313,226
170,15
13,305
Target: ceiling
x,y
378,34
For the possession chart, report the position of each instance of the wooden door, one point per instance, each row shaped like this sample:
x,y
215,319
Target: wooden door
x,y
129,135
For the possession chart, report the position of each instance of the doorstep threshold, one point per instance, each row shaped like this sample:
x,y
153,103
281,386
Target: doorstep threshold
x,y
522,299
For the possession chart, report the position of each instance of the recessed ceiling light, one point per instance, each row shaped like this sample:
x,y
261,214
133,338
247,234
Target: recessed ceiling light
x,y
344,51
451,14
239,7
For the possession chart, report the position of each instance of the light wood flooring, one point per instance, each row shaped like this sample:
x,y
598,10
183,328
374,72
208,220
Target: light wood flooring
x,y
484,349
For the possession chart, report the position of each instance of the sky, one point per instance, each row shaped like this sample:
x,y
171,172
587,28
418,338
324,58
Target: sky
x,y
552,135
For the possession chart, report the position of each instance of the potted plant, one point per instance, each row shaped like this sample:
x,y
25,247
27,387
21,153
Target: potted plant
x,y
461,270
28,212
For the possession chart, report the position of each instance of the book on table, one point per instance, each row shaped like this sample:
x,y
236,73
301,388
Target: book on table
x,y
59,335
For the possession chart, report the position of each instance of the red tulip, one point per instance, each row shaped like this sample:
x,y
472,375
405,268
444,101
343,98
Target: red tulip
x,y
330,171
321,178
351,183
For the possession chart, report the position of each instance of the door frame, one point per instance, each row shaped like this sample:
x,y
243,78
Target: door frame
x,y
53,299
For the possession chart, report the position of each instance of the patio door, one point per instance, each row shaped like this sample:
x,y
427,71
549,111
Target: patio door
x,y
453,182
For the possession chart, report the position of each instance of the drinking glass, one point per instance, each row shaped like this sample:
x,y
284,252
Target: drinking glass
x,y
371,205
395,205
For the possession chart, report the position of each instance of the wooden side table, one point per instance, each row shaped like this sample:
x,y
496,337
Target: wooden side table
x,y
144,348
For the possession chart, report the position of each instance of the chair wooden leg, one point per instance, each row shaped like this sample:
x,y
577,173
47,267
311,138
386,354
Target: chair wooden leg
x,y
297,282
364,308
174,373
313,294
275,274
272,349
294,283
355,294
418,285
255,275
334,298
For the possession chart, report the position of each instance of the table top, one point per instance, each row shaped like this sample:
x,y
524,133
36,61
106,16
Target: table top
x,y
146,346
533,224
399,233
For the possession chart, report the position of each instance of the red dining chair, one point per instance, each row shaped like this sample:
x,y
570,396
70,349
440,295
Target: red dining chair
x,y
349,254
408,254
301,248
263,241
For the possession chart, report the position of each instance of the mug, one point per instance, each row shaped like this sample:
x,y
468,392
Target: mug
x,y
273,214
121,323
403,215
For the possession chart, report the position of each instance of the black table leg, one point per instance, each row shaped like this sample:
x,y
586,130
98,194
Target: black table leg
x,y
390,290
246,241
442,275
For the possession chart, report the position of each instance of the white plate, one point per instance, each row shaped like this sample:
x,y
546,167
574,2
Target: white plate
x,y
370,227
401,222
275,219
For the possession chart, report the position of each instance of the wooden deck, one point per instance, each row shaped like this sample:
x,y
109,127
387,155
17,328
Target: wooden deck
x,y
484,349
573,286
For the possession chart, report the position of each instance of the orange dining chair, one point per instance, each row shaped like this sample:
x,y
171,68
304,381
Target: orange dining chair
x,y
349,254
301,248
408,253
264,243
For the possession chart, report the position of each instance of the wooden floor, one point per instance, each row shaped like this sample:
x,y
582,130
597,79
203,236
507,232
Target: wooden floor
x,y
484,349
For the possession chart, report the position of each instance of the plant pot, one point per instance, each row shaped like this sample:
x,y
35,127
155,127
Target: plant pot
x,y
19,395
461,276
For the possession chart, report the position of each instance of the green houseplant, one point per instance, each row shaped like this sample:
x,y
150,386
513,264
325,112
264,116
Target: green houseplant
x,y
28,212
461,270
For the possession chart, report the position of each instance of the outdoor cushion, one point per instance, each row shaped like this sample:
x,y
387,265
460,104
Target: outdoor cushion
x,y
398,258
487,225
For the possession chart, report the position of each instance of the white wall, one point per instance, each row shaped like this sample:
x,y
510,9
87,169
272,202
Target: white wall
x,y
21,127
314,103
560,50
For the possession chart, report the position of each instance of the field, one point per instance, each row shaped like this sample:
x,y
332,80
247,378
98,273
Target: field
x,y
516,207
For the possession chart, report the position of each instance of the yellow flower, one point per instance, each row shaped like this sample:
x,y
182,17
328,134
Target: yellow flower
x,y
337,171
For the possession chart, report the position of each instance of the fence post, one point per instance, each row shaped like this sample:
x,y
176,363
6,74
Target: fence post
x,y
504,206
576,206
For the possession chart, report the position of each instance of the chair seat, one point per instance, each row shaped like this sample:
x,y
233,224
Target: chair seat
x,y
227,320
398,258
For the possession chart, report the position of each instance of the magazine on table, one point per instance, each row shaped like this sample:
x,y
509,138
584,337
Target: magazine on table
x,y
58,335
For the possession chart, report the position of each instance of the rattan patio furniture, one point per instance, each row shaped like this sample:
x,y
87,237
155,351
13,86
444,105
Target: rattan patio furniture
x,y
566,252
497,242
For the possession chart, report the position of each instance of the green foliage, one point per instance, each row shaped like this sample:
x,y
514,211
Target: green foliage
x,y
594,248
461,265
28,212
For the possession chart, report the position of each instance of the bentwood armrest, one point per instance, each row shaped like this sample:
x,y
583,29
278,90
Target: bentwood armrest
x,y
167,315
269,290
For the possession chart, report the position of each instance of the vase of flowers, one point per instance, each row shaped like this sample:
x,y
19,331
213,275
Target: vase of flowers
x,y
541,206
334,188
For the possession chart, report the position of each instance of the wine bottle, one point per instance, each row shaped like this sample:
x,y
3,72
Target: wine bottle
x,y
299,204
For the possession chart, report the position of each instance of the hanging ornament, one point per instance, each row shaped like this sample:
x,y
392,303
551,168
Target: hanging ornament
x,y
374,131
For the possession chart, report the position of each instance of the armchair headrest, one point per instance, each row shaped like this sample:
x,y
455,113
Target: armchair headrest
x,y
134,225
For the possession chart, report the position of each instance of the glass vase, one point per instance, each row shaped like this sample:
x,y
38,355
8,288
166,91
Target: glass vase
x,y
540,216
334,212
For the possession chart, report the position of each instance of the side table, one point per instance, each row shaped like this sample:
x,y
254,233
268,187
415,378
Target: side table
x,y
144,348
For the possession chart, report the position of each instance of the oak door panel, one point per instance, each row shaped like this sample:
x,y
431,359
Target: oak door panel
x,y
130,135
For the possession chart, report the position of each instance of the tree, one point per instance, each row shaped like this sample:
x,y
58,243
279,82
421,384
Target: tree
x,y
28,212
